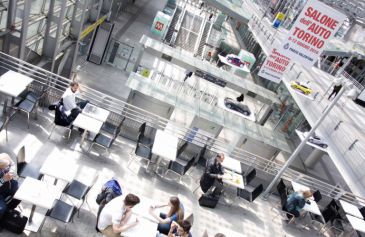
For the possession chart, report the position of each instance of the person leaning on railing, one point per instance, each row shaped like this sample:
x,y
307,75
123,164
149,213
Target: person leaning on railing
x,y
8,186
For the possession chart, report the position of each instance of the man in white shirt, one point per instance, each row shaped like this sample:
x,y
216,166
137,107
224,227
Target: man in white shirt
x,y
115,215
69,101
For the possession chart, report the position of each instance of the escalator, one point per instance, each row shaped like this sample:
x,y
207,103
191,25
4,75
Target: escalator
x,y
171,29
203,39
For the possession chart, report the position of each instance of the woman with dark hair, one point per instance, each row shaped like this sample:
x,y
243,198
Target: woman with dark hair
x,y
176,213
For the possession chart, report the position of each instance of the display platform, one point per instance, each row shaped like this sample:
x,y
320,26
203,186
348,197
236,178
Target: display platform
x,y
225,61
250,117
302,136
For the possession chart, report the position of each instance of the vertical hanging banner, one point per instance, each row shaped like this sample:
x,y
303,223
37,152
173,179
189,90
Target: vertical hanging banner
x,y
274,66
316,24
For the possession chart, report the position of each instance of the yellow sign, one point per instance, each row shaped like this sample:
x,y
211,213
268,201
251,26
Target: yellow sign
x,y
91,27
280,16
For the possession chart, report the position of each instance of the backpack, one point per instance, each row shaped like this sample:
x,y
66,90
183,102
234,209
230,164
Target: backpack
x,y
109,191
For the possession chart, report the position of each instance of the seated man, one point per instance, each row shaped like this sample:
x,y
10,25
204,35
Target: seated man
x,y
213,171
8,186
72,109
114,216
182,230
296,202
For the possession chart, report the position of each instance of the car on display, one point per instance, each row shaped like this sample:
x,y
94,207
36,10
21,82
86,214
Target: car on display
x,y
235,60
301,87
237,106
316,140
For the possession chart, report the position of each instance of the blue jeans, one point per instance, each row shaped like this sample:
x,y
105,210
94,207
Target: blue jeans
x,y
164,228
8,189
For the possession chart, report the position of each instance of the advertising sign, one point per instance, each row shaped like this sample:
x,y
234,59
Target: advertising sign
x,y
316,24
160,24
274,66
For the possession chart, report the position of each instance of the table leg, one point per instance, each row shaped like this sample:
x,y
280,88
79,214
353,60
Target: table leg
x,y
31,213
55,181
5,105
83,137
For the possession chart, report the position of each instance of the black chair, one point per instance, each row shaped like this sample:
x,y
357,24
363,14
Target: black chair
x,y
61,211
330,219
283,193
181,165
317,196
104,141
250,195
29,103
142,138
143,152
79,191
112,129
60,119
25,169
362,211
249,177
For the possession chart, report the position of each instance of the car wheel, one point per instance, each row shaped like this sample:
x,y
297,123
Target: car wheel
x,y
310,140
229,106
229,60
241,65
324,145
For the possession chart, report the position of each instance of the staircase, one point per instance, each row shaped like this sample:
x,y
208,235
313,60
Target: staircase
x,y
171,29
203,39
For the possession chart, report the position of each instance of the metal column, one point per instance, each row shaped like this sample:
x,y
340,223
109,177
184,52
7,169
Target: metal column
x,y
24,31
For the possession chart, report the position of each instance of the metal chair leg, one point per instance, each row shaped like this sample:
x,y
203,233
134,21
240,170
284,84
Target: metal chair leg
x,y
90,147
54,126
28,120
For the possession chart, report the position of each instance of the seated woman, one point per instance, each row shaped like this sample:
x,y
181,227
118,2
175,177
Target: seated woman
x,y
296,202
8,185
182,230
176,213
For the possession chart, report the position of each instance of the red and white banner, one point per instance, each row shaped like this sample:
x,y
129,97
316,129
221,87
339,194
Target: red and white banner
x,y
316,24
274,66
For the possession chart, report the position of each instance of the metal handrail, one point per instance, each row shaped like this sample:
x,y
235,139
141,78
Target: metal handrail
x,y
120,109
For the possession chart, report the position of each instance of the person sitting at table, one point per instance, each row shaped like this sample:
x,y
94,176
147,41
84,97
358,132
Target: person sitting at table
x,y
8,186
176,213
296,201
182,230
115,215
213,171
69,101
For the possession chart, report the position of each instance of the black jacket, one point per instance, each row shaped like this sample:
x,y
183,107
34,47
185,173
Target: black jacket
x,y
212,170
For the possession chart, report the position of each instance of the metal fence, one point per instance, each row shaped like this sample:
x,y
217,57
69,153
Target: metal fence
x,y
120,109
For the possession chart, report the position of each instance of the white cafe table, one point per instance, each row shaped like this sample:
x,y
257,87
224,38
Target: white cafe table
x,y
56,167
351,209
88,124
147,226
233,179
356,223
37,193
13,83
165,145
96,112
232,164
313,206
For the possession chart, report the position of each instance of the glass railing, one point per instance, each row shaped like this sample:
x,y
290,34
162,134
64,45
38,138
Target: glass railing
x,y
119,109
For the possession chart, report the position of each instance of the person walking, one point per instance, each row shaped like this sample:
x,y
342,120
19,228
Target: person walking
x,y
336,88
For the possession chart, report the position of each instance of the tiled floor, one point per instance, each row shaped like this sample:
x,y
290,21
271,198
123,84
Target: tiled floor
x,y
240,219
